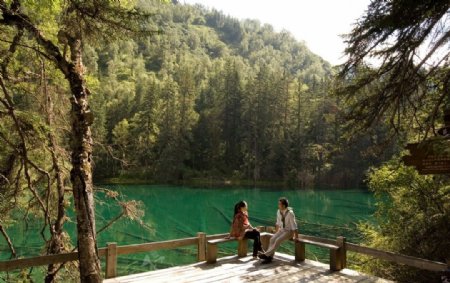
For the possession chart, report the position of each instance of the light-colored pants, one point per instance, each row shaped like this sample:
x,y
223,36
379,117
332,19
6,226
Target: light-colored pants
x,y
276,240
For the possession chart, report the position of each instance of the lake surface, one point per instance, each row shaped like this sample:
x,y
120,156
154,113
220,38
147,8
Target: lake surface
x,y
178,212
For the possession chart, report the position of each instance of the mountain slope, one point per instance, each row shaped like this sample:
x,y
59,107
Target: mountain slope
x,y
213,97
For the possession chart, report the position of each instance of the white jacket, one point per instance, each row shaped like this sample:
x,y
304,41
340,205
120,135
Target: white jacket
x,y
289,220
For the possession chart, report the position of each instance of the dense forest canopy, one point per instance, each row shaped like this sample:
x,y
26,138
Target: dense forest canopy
x,y
214,97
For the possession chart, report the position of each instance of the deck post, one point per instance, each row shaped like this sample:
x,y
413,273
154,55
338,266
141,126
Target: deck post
x,y
111,260
334,260
342,252
211,256
300,253
201,248
242,248
265,240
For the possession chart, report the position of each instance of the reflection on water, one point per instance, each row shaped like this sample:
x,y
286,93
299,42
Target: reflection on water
x,y
177,212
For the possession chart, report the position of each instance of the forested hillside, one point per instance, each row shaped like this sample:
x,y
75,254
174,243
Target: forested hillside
x,y
201,98
210,97
154,91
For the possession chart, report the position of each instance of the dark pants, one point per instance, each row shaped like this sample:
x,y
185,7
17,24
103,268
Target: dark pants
x,y
254,235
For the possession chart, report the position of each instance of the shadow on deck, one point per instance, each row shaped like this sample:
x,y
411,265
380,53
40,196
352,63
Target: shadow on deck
x,y
245,269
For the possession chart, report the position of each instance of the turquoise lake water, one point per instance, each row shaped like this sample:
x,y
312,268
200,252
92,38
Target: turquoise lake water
x,y
177,212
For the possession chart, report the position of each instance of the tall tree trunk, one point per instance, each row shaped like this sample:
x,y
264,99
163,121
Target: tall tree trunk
x,y
81,173
81,140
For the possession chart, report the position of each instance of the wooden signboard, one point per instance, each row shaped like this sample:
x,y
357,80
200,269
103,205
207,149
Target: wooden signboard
x,y
427,158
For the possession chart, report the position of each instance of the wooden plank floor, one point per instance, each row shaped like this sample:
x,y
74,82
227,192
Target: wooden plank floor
x,y
234,269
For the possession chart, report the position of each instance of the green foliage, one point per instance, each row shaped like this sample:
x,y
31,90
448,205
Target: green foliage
x,y
398,68
406,91
34,112
214,97
412,218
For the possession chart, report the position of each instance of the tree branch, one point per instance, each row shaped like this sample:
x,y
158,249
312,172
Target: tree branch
x,y
8,240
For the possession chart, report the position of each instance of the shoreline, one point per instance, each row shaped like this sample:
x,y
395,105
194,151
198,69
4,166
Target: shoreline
x,y
220,183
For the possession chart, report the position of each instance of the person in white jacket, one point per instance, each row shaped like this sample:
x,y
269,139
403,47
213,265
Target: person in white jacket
x,y
285,229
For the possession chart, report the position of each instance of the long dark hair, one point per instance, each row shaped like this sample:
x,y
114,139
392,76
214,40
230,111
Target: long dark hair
x,y
238,206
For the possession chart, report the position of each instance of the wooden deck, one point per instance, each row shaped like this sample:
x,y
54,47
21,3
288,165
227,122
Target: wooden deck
x,y
245,269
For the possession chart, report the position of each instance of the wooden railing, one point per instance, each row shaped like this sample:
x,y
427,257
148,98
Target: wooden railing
x,y
399,258
112,250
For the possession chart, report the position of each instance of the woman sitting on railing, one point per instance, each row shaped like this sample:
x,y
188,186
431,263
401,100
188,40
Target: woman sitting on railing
x,y
241,227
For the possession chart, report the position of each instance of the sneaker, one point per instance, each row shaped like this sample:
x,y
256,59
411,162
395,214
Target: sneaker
x,y
267,260
262,256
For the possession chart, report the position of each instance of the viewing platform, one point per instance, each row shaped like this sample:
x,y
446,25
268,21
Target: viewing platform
x,y
241,267
283,268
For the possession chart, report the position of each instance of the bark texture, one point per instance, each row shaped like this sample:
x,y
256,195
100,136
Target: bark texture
x,y
81,139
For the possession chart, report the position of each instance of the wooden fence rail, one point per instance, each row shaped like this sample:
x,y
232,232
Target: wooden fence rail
x,y
37,261
398,258
112,251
